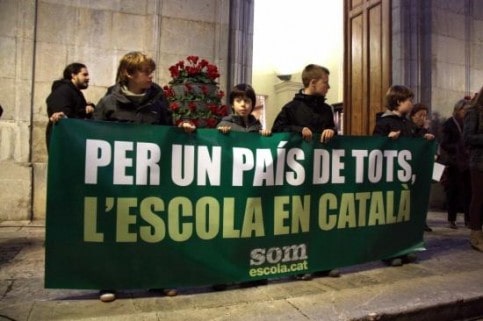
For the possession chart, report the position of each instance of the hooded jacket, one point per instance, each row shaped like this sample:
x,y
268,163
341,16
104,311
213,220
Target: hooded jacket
x,y
67,98
389,122
151,109
238,124
309,111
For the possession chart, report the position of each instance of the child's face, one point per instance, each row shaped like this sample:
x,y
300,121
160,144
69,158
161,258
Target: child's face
x,y
420,117
242,106
405,106
321,86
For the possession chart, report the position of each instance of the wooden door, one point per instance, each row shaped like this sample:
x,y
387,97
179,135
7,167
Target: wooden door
x,y
367,62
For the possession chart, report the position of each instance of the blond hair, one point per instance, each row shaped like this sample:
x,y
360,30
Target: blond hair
x,y
133,62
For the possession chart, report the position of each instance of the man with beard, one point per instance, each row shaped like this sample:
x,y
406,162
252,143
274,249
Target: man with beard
x,y
66,98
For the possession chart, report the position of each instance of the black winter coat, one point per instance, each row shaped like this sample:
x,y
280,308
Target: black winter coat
x,y
152,109
389,122
309,111
65,97
453,151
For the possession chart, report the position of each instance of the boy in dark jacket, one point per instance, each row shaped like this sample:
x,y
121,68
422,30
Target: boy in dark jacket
x,y
394,122
242,101
308,113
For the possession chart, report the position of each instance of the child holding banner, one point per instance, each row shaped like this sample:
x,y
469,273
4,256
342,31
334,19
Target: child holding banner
x,y
308,114
242,101
394,123
135,98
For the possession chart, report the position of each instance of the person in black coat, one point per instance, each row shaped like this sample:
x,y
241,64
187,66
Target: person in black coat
x,y
66,98
308,113
473,136
394,123
454,155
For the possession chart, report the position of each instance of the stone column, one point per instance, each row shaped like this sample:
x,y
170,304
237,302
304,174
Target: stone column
x,y
241,42
17,36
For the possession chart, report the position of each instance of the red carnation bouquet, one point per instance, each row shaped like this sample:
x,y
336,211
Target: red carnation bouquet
x,y
193,93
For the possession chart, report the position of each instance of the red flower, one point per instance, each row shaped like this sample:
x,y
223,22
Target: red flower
x,y
204,63
195,122
188,87
223,110
168,92
213,108
192,106
221,94
204,89
212,71
193,59
211,122
174,106
174,71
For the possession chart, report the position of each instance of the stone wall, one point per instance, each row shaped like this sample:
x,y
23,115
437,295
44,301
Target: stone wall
x,y
437,46
457,47
17,32
39,38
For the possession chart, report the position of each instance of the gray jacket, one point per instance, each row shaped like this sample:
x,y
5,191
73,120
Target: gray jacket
x,y
237,123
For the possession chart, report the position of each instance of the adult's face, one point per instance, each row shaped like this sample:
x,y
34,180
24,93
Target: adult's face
x,y
460,114
81,79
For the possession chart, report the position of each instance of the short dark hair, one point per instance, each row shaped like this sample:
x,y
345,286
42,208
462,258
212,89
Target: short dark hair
x,y
397,94
418,107
242,91
73,68
311,72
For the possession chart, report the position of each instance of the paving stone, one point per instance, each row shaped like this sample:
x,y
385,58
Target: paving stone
x,y
444,284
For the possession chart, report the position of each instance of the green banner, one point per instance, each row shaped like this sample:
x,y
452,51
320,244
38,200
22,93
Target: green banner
x,y
137,206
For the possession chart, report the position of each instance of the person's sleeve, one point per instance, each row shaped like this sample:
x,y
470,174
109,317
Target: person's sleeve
x,y
380,130
331,123
99,111
60,100
168,114
470,129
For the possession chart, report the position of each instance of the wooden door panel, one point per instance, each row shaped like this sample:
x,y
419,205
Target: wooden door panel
x,y
356,75
367,62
